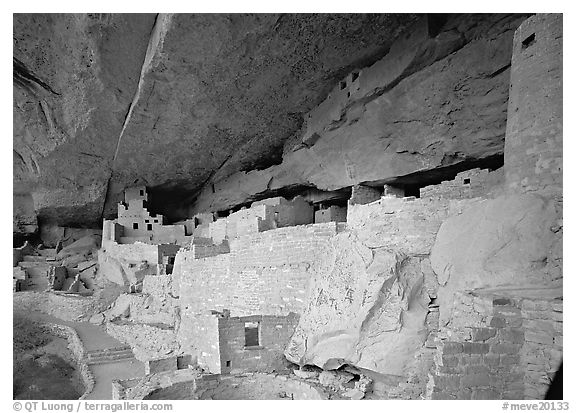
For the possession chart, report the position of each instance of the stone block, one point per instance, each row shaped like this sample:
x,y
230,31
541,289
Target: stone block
x,y
513,395
477,369
451,347
485,394
504,348
509,359
449,360
483,334
497,322
475,348
437,395
448,382
511,335
476,380
492,360
539,337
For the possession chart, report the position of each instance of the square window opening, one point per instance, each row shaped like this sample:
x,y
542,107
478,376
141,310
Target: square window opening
x,y
466,181
149,227
135,225
155,221
251,334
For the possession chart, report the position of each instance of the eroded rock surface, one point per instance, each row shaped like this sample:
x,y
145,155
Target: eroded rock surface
x,y
380,304
509,240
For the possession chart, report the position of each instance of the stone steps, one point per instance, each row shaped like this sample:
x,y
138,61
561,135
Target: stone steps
x,y
34,264
112,355
33,258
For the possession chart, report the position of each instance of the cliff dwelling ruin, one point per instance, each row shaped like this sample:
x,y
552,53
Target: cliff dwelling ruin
x,y
292,206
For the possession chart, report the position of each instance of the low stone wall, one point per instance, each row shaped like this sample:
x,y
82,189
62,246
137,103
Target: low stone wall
x,y
77,347
192,385
257,386
468,184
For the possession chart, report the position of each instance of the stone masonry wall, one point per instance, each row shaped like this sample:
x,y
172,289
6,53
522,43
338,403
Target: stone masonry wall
x,y
198,335
533,151
468,184
262,215
497,347
275,333
265,273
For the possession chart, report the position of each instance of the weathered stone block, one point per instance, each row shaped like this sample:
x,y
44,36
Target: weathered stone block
x,y
512,335
504,348
483,334
497,322
485,394
449,361
475,348
451,347
449,382
513,395
539,337
477,369
492,360
510,359
442,396
476,380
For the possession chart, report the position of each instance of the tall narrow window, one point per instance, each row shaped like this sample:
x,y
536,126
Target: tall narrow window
x,y
135,225
251,334
141,192
149,227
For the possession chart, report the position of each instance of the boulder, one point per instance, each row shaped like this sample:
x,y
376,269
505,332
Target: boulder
x,y
97,319
304,374
334,379
509,240
368,311
84,246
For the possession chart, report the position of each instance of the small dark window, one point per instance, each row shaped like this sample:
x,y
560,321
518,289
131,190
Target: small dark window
x,y
228,363
529,41
155,221
141,192
355,76
466,181
252,334
342,85
147,221
135,225
348,94
149,227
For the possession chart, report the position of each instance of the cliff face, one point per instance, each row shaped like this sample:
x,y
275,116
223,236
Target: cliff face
x,y
213,111
102,100
74,77
436,100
